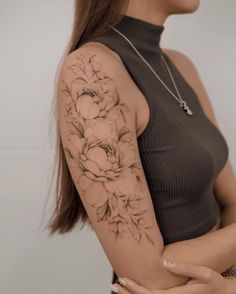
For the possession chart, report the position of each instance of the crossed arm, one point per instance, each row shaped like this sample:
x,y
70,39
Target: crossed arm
x,y
97,126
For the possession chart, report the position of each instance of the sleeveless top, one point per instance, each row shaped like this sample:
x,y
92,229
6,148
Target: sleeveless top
x,y
181,154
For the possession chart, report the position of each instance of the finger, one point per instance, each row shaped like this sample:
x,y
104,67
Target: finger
x,y
194,271
193,281
132,286
121,290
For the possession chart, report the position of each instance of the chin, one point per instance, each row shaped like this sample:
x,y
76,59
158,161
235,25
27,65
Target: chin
x,y
182,6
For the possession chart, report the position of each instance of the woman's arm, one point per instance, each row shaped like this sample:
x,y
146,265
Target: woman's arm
x,y
97,122
225,191
202,280
232,283
214,250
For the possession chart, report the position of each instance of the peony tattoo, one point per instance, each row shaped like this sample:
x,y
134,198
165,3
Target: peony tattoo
x,y
100,144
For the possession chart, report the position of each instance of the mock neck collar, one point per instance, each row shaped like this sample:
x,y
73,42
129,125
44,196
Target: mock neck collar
x,y
143,34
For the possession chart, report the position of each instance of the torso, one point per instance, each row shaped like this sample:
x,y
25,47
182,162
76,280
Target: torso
x,y
142,120
140,102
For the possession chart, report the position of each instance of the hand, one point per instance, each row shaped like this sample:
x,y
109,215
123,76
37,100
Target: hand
x,y
203,280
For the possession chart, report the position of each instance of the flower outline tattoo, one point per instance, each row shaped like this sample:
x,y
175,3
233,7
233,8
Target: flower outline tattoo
x,y
101,145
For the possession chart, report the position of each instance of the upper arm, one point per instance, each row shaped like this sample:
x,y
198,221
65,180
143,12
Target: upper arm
x,y
97,128
225,183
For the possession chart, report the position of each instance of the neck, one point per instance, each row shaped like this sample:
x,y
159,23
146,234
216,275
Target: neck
x,y
150,11
144,35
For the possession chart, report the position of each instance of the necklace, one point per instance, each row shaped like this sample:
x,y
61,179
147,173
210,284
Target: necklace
x,y
182,103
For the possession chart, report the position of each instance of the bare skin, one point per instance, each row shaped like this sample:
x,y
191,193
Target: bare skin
x,y
203,281
106,158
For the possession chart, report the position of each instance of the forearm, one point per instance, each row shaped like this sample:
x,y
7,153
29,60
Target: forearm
x,y
228,216
216,250
231,285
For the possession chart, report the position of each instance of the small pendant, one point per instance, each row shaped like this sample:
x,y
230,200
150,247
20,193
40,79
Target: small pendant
x,y
185,107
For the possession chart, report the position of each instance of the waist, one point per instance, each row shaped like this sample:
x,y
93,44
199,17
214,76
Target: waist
x,y
189,221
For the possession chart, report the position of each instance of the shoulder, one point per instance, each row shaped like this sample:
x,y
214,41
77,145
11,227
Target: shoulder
x,y
103,63
82,60
178,56
106,69
185,65
91,53
93,71
189,71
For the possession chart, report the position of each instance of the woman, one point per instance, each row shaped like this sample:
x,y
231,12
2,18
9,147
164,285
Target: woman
x,y
139,151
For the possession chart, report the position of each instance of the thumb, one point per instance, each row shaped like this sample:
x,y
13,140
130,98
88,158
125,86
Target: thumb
x,y
202,273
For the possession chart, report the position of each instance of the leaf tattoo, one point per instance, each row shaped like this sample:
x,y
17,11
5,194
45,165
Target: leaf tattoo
x,y
100,144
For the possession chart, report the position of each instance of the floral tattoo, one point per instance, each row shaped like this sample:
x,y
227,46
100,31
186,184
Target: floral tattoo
x,y
100,144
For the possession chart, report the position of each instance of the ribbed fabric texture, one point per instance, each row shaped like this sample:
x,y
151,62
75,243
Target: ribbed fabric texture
x,y
181,155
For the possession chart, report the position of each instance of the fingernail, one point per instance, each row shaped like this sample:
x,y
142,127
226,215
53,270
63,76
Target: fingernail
x,y
122,281
169,264
114,289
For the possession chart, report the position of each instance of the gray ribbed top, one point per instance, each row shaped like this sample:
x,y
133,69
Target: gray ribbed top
x,y
181,155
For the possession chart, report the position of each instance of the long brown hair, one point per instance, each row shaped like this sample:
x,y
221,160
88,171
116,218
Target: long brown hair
x,y
90,20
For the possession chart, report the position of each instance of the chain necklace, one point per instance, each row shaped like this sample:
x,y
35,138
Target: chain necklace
x,y
182,103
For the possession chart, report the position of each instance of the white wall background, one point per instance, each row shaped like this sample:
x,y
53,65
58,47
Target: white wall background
x,y
33,37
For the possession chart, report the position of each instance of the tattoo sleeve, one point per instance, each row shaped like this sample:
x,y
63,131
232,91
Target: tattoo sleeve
x,y
100,145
